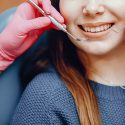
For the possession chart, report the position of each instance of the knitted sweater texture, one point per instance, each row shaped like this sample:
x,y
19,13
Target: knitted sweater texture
x,y
47,101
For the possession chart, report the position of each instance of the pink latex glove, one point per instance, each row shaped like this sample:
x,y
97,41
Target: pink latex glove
x,y
24,29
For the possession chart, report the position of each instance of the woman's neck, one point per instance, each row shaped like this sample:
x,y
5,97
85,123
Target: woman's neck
x,y
108,69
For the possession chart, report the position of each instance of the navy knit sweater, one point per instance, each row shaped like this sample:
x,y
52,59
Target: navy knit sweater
x,y
47,101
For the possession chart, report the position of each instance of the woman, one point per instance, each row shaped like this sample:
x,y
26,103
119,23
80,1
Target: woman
x,y
80,81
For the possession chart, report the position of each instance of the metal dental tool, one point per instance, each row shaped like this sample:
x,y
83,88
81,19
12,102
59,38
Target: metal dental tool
x,y
54,21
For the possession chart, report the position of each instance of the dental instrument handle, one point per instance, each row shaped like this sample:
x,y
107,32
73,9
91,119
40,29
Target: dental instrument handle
x,y
54,21
60,26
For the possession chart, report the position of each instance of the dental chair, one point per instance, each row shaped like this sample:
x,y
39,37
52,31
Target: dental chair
x,y
10,84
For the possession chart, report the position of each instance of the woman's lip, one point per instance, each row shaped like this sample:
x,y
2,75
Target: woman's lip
x,y
96,24
96,34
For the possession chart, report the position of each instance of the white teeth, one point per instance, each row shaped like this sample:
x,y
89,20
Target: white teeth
x,y
97,29
89,29
102,28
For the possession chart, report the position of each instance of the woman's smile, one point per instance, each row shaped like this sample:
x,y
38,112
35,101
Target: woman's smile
x,y
95,21
96,30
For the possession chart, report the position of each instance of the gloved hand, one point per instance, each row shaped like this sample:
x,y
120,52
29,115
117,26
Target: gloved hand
x,y
24,29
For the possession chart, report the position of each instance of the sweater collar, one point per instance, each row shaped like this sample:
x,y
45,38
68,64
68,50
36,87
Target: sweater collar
x,y
107,92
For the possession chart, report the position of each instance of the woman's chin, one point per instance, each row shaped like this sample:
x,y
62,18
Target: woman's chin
x,y
97,50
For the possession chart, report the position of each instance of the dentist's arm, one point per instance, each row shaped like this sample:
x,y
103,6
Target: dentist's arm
x,y
24,29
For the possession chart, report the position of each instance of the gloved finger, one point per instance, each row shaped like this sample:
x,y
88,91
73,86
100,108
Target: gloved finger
x,y
46,5
55,27
49,9
57,15
26,11
37,23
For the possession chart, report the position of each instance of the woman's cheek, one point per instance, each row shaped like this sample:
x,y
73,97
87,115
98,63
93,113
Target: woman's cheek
x,y
68,11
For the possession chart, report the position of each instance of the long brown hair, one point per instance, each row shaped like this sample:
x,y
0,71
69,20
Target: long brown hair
x,y
63,56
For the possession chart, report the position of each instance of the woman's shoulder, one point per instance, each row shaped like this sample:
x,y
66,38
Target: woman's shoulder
x,y
48,83
46,100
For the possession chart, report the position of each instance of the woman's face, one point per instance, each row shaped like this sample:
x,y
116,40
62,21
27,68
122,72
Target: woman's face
x,y
95,19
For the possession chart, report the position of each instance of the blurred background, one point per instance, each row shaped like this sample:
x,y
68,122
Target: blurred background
x,y
6,4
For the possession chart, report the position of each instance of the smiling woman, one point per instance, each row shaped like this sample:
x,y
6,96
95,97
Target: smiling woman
x,y
5,4
74,82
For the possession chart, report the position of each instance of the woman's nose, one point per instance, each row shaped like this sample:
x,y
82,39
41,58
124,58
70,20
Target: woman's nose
x,y
93,8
